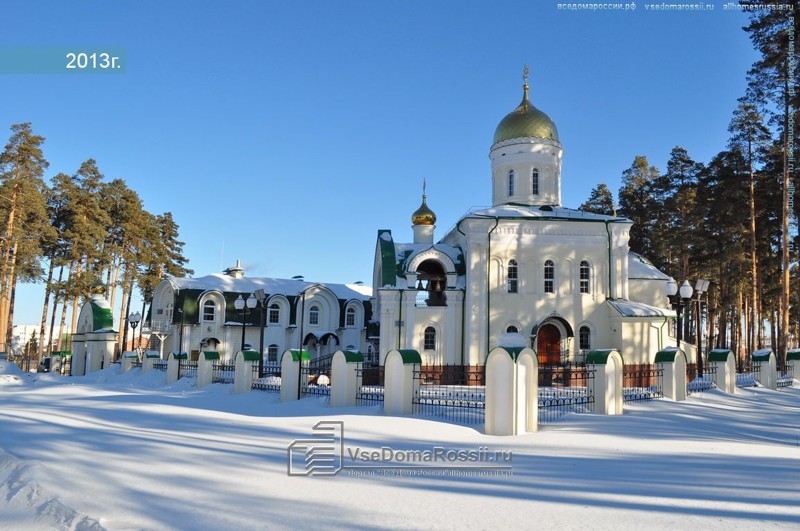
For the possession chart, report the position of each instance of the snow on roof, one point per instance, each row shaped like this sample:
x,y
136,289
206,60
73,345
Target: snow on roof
x,y
533,212
628,308
284,286
512,340
641,268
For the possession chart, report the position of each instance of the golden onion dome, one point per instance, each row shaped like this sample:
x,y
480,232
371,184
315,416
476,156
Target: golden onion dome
x,y
423,215
525,121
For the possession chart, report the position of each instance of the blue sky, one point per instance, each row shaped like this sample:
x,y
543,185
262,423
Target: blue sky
x,y
286,134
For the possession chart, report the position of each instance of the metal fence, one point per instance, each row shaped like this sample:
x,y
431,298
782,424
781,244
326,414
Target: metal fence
x,y
160,365
695,384
315,377
454,392
370,392
269,382
642,381
748,376
564,388
785,375
222,372
187,368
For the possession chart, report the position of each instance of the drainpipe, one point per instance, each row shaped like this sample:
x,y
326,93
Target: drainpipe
x,y
608,288
400,319
488,278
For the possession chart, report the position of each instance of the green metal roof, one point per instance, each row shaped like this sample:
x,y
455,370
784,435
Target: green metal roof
x,y
211,355
410,356
352,356
388,262
719,354
250,355
600,356
298,355
668,355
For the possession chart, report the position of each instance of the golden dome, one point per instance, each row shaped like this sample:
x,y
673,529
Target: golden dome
x,y
423,215
525,121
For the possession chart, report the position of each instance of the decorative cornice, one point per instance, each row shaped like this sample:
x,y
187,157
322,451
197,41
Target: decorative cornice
x,y
527,140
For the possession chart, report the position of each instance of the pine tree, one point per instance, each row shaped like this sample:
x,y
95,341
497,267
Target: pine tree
x,y
601,201
636,203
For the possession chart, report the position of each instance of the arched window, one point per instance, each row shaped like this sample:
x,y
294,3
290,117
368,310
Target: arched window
x,y
584,277
549,277
535,181
274,314
510,183
584,338
272,353
350,317
512,276
209,311
512,330
430,339
169,313
313,315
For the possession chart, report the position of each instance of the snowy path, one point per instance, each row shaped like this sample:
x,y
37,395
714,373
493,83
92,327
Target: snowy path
x,y
126,452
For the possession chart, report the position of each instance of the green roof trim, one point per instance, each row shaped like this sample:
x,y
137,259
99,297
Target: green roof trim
x,y
152,355
513,352
250,355
130,354
719,354
668,355
211,355
300,355
61,353
762,354
102,319
351,356
180,355
600,356
793,354
388,261
410,356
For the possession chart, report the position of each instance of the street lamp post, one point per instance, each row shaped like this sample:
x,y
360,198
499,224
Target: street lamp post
x,y
262,304
680,298
244,308
699,288
134,319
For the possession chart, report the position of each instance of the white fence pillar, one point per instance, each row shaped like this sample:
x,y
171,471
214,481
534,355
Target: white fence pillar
x,y
127,360
345,378
55,362
672,363
723,365
399,382
512,391
606,386
793,362
147,360
766,366
205,367
243,377
174,364
290,373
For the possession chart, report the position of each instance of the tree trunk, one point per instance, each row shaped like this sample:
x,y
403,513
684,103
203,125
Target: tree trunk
x,y
48,289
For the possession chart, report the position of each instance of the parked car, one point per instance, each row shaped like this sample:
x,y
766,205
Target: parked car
x,y
44,365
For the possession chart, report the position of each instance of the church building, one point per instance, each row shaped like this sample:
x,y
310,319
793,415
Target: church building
x,y
526,270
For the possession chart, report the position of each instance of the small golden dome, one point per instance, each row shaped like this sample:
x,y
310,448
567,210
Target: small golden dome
x,y
423,215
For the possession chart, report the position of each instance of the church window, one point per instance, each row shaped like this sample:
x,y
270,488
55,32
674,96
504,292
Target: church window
x,y
274,314
430,339
313,315
209,311
535,181
510,183
512,330
549,277
584,335
169,313
512,276
350,317
584,277
272,353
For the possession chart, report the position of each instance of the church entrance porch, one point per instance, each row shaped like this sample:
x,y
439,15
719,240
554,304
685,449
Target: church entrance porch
x,y
548,345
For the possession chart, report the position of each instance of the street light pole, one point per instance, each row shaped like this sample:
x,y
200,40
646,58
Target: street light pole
x,y
134,320
243,306
262,304
699,288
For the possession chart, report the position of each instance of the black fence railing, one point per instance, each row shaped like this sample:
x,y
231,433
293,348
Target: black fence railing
x,y
695,384
222,372
564,389
747,376
454,392
370,393
269,382
160,365
271,368
187,369
315,377
136,363
785,375
642,381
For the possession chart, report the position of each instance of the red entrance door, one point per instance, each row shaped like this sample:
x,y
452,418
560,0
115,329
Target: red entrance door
x,y
548,345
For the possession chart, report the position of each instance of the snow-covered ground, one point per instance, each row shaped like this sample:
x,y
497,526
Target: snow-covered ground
x,y
125,451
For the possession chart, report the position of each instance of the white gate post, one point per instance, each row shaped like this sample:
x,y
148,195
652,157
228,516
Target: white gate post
x,y
672,363
399,382
243,377
721,361
767,368
345,378
512,391
205,367
290,373
606,385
